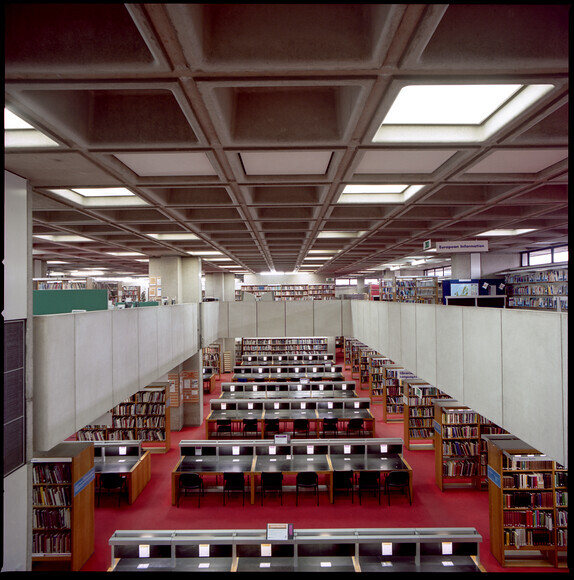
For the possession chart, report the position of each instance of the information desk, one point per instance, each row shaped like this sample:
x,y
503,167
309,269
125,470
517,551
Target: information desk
x,y
320,455
306,550
125,458
301,390
285,359
287,411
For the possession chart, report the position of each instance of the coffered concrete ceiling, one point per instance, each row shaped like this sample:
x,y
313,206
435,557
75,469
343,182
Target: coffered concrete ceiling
x,y
242,124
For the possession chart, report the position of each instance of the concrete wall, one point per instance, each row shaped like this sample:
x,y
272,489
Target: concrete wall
x,y
509,365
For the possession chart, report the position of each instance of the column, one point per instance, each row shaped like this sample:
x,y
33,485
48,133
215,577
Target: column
x,y
465,266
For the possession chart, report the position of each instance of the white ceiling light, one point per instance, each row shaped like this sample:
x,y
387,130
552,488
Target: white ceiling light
x,y
125,253
336,234
455,112
206,253
173,237
62,238
20,134
100,196
378,193
508,232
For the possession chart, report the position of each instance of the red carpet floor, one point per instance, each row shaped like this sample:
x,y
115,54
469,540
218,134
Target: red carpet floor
x,y
430,508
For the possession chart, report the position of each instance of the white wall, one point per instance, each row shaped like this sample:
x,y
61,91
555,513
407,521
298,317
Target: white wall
x,y
508,365
86,363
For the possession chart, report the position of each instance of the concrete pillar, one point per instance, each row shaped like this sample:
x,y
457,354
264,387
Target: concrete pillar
x,y
465,266
191,280
220,285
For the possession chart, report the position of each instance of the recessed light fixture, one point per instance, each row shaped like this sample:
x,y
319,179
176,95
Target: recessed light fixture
x,y
206,253
100,196
20,134
378,193
337,234
502,232
120,254
455,112
174,237
62,238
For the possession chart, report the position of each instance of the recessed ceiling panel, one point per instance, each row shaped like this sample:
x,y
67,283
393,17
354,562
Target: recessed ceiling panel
x,y
286,162
403,161
162,164
519,161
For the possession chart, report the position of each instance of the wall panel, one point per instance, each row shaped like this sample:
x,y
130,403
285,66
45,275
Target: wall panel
x,y
93,368
482,356
299,317
408,340
270,319
243,318
125,353
147,342
529,403
426,343
394,331
328,317
449,358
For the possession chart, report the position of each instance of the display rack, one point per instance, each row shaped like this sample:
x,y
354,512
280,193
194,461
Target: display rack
x,y
427,290
418,411
63,506
387,290
528,504
406,290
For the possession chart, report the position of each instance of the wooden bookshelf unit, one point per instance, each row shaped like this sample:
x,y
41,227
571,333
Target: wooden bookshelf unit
x,y
376,387
418,411
63,506
528,504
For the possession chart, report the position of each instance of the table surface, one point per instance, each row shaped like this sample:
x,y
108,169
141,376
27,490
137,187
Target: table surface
x,y
292,463
115,465
326,394
359,462
215,464
253,377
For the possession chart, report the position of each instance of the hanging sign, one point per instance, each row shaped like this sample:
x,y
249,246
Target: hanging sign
x,y
469,246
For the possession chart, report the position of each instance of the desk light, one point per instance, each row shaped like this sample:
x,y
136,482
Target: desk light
x,y
204,550
143,551
446,549
387,548
123,450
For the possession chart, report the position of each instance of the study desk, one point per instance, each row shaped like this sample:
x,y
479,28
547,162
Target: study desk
x,y
252,457
210,465
306,389
305,550
124,458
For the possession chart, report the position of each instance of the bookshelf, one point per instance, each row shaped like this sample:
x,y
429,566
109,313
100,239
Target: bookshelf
x,y
130,294
539,289
211,357
376,387
457,445
348,350
418,411
290,345
144,416
365,355
406,290
528,504
284,292
63,506
387,290
392,393
427,290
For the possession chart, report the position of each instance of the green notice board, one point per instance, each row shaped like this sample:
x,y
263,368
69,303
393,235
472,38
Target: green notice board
x,y
62,301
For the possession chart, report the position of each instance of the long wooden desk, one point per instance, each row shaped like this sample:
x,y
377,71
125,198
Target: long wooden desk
x,y
287,377
124,458
322,456
274,390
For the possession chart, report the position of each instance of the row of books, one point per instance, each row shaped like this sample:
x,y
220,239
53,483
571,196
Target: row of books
x,y
562,498
516,464
144,422
459,417
421,433
562,518
420,411
421,422
527,481
53,495
540,276
550,302
521,537
562,289
528,499
529,519
460,468
51,473
466,432
51,543
52,518
461,448
562,538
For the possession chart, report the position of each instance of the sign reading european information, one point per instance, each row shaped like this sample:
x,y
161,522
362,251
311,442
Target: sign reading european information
x,y
467,246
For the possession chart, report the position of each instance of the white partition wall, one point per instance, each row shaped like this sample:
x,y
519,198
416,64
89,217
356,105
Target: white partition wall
x,y
299,319
86,363
510,366
243,319
328,317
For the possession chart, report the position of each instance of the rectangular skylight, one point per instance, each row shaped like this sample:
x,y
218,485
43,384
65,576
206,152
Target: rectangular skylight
x,y
508,232
62,238
455,112
125,253
174,237
378,193
206,253
447,104
20,134
100,196
336,234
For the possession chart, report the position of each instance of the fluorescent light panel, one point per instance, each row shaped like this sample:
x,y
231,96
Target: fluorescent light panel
x,y
100,196
378,193
174,237
20,134
508,232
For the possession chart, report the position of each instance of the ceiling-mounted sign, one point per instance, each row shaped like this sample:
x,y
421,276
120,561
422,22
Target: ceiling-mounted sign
x,y
427,245
467,246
